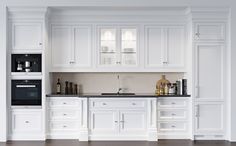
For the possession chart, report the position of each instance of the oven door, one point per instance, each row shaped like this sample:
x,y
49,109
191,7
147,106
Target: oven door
x,y
26,92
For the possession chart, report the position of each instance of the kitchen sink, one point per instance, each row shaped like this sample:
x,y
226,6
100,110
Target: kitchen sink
x,y
125,94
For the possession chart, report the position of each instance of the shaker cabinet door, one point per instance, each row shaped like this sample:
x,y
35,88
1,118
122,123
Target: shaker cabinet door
x,y
104,122
209,118
132,122
61,45
175,47
154,38
81,54
209,31
209,66
26,36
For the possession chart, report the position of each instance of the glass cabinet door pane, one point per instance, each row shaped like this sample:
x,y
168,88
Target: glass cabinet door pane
x,y
108,46
129,46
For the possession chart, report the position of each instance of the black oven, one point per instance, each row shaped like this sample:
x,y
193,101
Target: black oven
x,y
26,92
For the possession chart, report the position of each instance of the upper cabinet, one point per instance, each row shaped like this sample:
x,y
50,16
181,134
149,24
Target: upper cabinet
x,y
71,47
26,36
117,46
164,47
211,31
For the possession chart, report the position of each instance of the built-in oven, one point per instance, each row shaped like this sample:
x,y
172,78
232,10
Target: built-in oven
x,y
26,93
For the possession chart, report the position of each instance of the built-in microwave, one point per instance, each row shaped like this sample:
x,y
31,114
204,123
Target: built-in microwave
x,y
26,93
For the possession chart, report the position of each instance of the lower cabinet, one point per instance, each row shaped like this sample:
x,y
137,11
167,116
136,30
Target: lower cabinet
x,y
26,124
209,120
173,118
63,117
114,119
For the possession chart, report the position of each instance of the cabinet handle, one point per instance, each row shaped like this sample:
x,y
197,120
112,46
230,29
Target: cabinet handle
x,y
173,126
196,91
26,121
72,62
104,104
197,111
40,44
133,103
64,126
197,34
118,62
64,103
173,114
122,121
64,114
173,103
116,121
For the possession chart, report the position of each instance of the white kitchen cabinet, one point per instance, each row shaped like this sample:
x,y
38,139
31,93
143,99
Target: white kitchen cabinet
x,y
63,117
61,46
209,31
104,122
117,46
209,118
173,118
26,124
71,47
26,36
132,122
209,74
164,47
117,118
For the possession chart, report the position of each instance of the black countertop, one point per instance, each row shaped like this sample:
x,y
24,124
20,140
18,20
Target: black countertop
x,y
96,95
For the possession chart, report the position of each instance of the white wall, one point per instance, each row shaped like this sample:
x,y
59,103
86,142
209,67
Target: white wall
x,y
210,3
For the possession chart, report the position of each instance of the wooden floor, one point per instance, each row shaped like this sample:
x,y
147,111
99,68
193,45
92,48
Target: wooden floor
x,y
118,143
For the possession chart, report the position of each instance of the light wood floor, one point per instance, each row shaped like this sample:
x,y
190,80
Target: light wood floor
x,y
118,143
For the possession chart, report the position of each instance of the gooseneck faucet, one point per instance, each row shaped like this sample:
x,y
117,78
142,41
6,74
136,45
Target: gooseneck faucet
x,y
119,88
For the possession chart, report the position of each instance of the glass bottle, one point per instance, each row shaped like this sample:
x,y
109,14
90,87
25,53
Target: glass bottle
x,y
58,86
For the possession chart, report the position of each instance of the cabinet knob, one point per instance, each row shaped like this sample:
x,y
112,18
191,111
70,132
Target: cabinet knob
x,y
173,126
133,103
64,126
197,34
40,44
26,121
173,103
116,121
64,103
118,62
64,114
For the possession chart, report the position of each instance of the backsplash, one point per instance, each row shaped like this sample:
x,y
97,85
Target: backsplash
x,y
108,82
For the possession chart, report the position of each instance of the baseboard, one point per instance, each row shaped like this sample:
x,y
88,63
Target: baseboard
x,y
58,136
168,136
25,137
118,138
209,137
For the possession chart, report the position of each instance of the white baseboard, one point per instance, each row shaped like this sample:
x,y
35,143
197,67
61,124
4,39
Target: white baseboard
x,y
118,138
59,136
25,137
209,137
168,136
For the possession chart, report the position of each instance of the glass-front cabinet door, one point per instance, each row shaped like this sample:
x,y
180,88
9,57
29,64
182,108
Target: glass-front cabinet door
x,y
117,46
129,47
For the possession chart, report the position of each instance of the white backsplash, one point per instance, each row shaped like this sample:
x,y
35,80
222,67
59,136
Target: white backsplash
x,y
108,82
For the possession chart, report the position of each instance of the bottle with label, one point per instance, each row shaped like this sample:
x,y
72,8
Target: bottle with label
x,y
58,86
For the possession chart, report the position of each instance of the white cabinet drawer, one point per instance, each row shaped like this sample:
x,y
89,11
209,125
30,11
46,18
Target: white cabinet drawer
x,y
26,121
64,125
117,103
64,114
63,102
172,127
172,115
171,103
